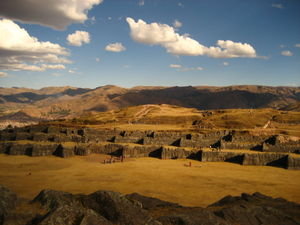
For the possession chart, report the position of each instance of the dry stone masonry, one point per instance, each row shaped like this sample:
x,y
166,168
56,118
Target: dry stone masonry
x,y
212,146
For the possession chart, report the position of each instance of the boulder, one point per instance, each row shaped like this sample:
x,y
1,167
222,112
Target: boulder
x,y
257,209
112,208
8,201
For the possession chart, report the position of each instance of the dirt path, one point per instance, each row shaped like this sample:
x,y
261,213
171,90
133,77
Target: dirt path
x,y
143,112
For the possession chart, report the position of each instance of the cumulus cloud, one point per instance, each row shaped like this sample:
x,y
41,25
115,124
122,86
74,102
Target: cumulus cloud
x,y
115,47
177,24
57,14
286,53
20,51
3,74
78,38
225,63
176,44
278,6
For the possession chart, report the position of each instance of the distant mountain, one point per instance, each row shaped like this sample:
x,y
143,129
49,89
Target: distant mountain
x,y
68,102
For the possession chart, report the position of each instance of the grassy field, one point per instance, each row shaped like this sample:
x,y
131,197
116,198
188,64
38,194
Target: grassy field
x,y
169,117
171,180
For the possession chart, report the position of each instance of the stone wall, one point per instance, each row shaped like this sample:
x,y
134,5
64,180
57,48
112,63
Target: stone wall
x,y
265,159
214,156
136,151
293,163
178,153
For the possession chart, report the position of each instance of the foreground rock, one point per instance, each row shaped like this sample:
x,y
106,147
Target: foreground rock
x,y
107,208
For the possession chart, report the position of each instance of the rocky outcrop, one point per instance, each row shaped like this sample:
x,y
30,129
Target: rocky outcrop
x,y
108,208
256,209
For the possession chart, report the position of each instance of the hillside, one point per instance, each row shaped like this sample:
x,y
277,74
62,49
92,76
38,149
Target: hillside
x,y
68,102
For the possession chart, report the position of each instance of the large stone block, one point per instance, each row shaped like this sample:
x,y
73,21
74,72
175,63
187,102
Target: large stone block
x,y
20,149
278,147
293,163
217,156
128,139
178,153
240,145
53,129
64,151
82,149
43,149
7,136
23,136
175,141
40,137
136,151
265,159
4,147
38,129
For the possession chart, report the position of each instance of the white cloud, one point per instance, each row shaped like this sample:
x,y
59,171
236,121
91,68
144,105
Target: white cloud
x,y
57,14
53,67
175,66
152,34
278,6
176,44
225,63
3,74
141,2
187,69
20,51
281,46
97,60
71,71
181,68
177,24
297,45
78,38
115,47
286,53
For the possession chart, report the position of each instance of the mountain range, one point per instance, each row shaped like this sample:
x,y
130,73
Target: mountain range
x,y
68,102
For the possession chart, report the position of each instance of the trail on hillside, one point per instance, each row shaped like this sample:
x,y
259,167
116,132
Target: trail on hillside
x,y
142,113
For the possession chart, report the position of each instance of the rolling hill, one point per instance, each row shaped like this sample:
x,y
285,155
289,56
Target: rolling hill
x,y
69,102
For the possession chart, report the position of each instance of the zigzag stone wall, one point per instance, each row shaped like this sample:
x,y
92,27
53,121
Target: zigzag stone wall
x,y
45,140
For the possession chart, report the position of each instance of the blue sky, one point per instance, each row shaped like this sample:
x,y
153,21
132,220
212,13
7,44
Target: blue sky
x,y
261,43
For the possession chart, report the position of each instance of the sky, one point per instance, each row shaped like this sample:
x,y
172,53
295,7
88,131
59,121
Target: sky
x,y
131,43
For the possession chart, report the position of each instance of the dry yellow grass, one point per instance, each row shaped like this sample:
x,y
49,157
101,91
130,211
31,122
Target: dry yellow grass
x,y
200,185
